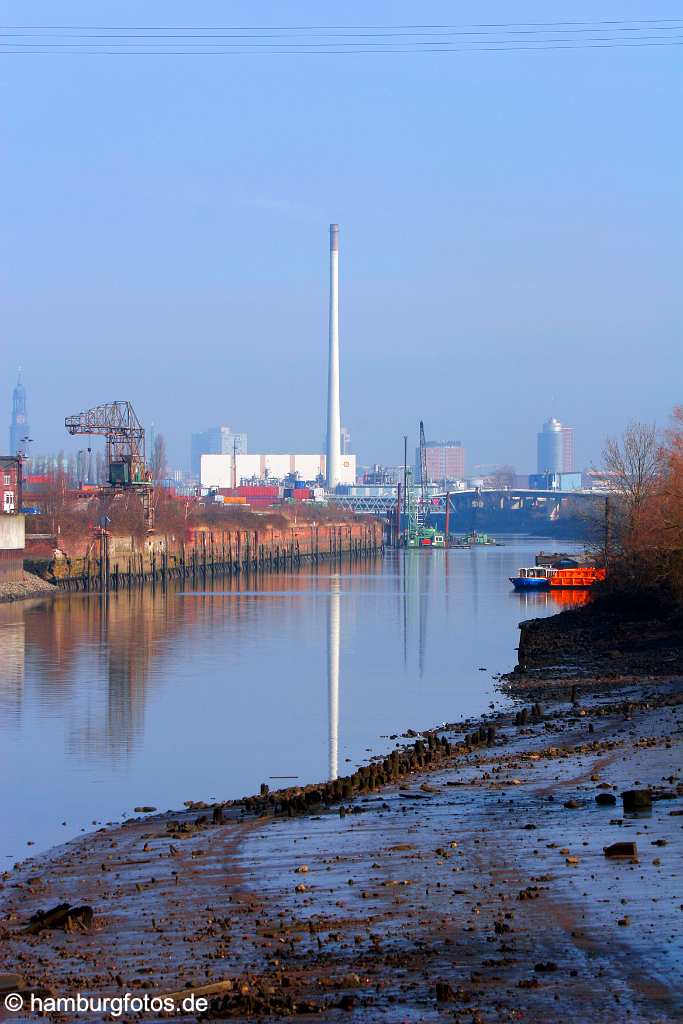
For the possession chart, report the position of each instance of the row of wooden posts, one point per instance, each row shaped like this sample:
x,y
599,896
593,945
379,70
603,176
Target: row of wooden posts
x,y
234,553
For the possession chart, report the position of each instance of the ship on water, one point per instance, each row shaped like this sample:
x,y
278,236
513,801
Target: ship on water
x,y
541,577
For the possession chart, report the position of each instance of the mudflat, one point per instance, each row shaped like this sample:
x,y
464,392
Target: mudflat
x,y
492,870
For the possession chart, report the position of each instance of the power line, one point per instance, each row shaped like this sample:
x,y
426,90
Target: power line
x,y
335,52
339,40
416,36
361,28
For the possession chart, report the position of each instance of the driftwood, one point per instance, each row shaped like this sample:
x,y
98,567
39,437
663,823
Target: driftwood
x,y
64,917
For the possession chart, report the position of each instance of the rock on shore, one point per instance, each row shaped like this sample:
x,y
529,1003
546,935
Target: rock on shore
x,y
29,586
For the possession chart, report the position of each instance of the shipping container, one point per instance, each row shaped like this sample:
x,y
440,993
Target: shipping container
x,y
257,491
250,491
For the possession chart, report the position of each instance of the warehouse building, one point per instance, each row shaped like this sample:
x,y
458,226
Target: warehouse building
x,y
218,470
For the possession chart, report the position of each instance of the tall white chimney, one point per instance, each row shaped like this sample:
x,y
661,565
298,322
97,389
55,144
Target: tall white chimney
x,y
333,415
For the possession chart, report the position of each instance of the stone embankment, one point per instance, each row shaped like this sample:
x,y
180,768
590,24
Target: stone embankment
x,y
28,586
116,562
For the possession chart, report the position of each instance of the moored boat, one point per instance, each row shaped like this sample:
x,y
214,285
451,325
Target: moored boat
x,y
539,577
535,577
425,537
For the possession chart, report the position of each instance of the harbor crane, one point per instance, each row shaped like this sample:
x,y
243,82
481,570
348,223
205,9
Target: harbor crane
x,y
423,471
420,533
118,423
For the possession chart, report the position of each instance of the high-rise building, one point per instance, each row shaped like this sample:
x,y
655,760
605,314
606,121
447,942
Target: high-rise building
x,y
18,428
445,461
567,449
345,441
555,448
215,441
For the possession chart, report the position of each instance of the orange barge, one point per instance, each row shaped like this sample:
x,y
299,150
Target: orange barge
x,y
581,578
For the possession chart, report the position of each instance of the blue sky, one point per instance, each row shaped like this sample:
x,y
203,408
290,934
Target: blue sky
x,y
510,231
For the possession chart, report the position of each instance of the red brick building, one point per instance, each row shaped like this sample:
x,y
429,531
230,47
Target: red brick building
x,y
10,483
445,461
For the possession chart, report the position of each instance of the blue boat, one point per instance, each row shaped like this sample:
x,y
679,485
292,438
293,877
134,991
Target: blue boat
x,y
536,577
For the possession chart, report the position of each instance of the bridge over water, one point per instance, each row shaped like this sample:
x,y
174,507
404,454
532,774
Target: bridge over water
x,y
506,509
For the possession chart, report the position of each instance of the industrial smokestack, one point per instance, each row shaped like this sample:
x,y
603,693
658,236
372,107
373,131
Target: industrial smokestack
x,y
333,414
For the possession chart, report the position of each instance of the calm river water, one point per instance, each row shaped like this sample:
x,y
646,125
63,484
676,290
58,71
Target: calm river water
x,y
160,697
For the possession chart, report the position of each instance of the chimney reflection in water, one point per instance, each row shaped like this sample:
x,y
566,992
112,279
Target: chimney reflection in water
x,y
333,637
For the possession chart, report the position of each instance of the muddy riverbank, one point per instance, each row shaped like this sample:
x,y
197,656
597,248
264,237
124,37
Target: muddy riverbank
x,y
474,886
598,642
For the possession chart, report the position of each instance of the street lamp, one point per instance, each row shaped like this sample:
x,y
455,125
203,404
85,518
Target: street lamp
x,y
21,456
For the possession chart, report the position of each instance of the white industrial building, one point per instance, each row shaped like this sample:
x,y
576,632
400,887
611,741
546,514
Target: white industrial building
x,y
217,470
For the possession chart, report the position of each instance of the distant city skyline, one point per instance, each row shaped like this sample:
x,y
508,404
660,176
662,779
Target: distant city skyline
x,y
445,459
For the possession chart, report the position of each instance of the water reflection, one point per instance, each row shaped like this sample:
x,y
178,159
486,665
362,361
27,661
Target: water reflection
x,y
12,655
414,578
156,697
333,643
89,659
550,601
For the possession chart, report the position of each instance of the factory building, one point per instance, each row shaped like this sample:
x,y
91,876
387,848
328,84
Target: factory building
x,y
215,441
218,470
445,461
555,448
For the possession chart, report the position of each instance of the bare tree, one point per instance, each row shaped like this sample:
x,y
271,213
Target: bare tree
x,y
635,466
159,465
633,460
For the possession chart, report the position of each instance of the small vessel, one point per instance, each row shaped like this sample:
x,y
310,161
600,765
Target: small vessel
x,y
536,577
541,577
474,537
425,537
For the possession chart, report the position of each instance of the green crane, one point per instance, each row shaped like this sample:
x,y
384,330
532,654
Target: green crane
x,y
419,533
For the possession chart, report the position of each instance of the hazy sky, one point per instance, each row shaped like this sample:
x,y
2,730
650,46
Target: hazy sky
x,y
510,230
